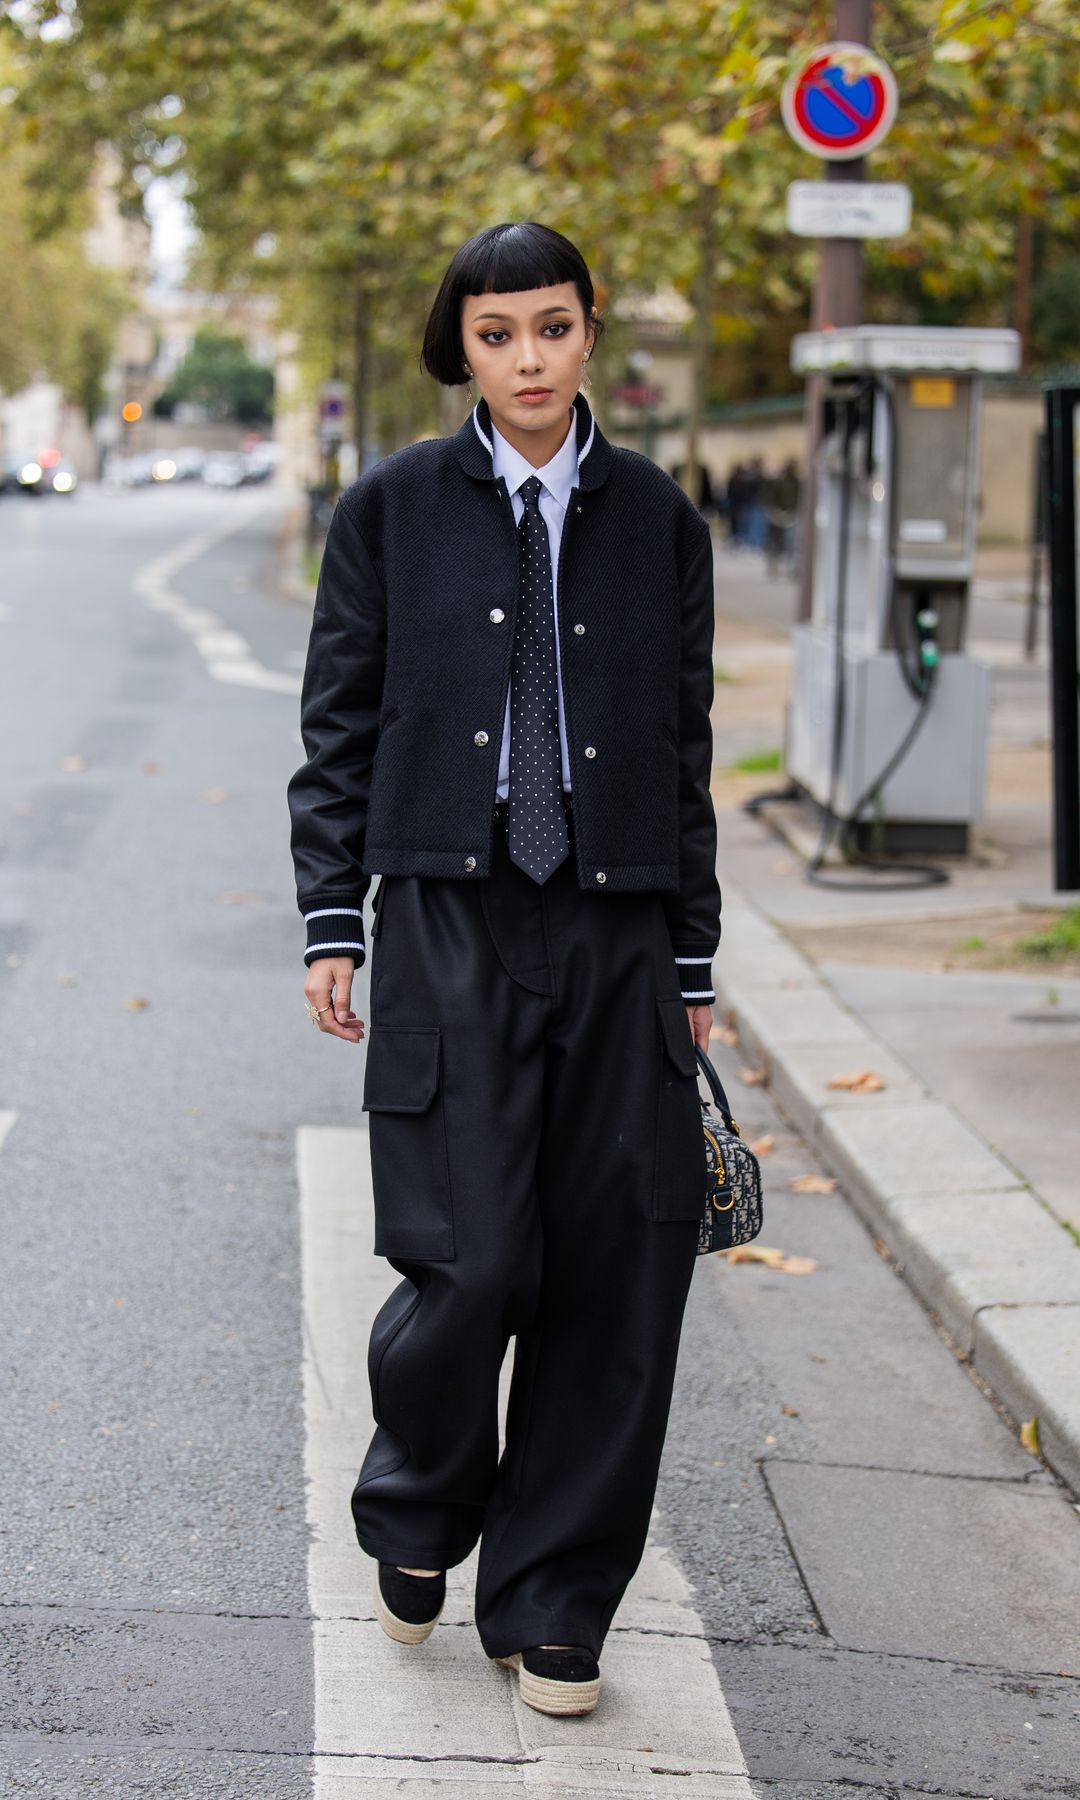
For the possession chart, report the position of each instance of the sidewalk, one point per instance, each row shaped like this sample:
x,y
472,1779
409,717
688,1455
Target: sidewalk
x,y
963,1161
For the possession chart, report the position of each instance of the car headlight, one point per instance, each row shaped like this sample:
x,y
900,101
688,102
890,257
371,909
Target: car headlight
x,y
29,473
64,481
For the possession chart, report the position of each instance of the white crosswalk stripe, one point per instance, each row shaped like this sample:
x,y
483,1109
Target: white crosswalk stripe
x,y
390,1720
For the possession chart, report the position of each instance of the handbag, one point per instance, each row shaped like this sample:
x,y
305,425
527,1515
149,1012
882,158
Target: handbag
x,y
733,1197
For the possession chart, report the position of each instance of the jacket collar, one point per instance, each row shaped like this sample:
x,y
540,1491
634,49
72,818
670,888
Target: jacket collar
x,y
474,445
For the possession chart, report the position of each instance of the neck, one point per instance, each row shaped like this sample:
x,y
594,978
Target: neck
x,y
537,447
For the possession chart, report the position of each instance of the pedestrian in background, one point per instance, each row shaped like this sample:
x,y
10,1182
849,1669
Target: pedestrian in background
x,y
506,716
782,493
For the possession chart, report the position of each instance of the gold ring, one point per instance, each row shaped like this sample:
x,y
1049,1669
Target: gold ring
x,y
315,1013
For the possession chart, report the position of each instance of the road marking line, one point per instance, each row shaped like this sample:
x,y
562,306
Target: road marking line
x,y
228,656
390,1720
7,1120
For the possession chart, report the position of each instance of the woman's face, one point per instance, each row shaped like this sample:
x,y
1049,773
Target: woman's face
x,y
528,342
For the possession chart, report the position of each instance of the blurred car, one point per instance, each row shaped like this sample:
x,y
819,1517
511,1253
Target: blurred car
x,y
131,471
190,461
46,473
224,470
261,461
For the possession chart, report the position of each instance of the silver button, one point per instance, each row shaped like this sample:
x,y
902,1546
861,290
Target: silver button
x,y
496,615
480,738
589,751
579,630
600,876
470,862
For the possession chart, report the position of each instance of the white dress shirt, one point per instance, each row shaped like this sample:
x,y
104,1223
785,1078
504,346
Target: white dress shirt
x,y
557,478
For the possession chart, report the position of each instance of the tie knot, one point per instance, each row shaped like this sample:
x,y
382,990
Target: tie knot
x,y
530,491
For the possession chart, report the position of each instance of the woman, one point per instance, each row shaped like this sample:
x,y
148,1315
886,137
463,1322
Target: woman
x,y
506,715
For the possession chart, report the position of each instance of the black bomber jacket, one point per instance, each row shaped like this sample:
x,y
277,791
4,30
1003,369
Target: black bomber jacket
x,y
408,667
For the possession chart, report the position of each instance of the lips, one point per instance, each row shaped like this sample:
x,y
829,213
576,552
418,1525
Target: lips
x,y
532,393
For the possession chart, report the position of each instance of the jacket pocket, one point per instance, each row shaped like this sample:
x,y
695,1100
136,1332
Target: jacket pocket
x,y
680,1171
410,1169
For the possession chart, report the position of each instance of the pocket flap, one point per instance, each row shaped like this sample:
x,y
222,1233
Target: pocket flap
x,y
402,1069
676,1031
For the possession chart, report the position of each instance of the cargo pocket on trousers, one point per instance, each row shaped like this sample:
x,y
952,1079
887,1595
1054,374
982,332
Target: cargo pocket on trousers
x,y
680,1171
410,1171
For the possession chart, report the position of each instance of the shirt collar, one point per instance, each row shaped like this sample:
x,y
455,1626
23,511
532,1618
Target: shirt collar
x,y
474,450
558,475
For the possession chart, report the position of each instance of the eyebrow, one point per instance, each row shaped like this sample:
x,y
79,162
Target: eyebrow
x,y
540,315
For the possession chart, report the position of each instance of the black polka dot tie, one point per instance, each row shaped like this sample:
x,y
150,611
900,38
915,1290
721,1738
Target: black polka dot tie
x,y
536,822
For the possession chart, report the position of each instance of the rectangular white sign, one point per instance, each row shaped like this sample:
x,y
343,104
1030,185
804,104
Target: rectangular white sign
x,y
848,209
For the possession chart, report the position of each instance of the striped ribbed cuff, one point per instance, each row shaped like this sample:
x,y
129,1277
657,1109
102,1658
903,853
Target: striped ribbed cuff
x,y
695,979
335,931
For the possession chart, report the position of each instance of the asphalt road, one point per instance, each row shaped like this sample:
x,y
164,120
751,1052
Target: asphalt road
x,y
889,1584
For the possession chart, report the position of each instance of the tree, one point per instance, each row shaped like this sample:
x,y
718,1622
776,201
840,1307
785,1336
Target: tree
x,y
218,374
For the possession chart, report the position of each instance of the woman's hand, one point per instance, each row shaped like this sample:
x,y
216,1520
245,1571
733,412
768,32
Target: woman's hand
x,y
329,988
700,1018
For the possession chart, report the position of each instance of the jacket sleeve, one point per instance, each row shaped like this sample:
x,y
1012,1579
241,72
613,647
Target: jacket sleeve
x,y
339,724
693,913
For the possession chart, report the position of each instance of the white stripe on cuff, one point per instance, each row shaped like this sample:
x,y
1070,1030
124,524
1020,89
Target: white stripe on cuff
x,y
344,945
333,912
699,994
693,959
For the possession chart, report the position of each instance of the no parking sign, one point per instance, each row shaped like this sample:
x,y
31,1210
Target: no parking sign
x,y
841,103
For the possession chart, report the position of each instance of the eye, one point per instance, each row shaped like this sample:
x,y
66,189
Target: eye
x,y
488,336
558,325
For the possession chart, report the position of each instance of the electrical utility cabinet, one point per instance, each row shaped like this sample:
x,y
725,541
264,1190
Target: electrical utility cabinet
x,y
894,538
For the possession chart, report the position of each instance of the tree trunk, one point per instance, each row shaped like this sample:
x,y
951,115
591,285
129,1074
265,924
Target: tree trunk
x,y
360,370
1025,257
700,345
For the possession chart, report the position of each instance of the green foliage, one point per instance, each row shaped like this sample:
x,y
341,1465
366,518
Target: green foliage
x,y
1058,941
759,762
337,153
218,374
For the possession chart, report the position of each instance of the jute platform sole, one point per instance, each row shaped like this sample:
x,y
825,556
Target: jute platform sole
x,y
400,1629
563,1699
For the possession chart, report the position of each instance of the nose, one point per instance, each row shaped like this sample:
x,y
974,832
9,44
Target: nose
x,y
530,357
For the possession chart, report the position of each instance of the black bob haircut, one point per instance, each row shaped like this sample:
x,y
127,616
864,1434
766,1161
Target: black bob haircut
x,y
504,259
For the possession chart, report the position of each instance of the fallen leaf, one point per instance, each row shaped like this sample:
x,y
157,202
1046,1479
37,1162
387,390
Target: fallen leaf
x,y
150,768
790,1412
213,796
136,1003
763,1145
813,1184
817,1359
771,1439
67,981
73,765
754,1077
1029,1435
772,1259
724,1035
237,897
13,960
863,1081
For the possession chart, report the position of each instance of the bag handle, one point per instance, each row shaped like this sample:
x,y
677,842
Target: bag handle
x,y
717,1087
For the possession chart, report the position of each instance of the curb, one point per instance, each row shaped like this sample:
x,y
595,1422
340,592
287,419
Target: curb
x,y
974,1242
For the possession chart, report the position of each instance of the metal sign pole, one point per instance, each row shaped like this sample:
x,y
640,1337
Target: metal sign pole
x,y
837,301
1062,405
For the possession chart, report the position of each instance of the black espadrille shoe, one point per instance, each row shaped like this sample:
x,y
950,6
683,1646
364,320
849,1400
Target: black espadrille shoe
x,y
563,1682
408,1606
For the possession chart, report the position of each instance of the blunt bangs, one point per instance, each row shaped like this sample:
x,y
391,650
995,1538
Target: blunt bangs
x,y
504,259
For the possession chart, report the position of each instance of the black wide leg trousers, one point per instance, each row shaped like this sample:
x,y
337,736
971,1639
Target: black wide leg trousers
x,y
538,1169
